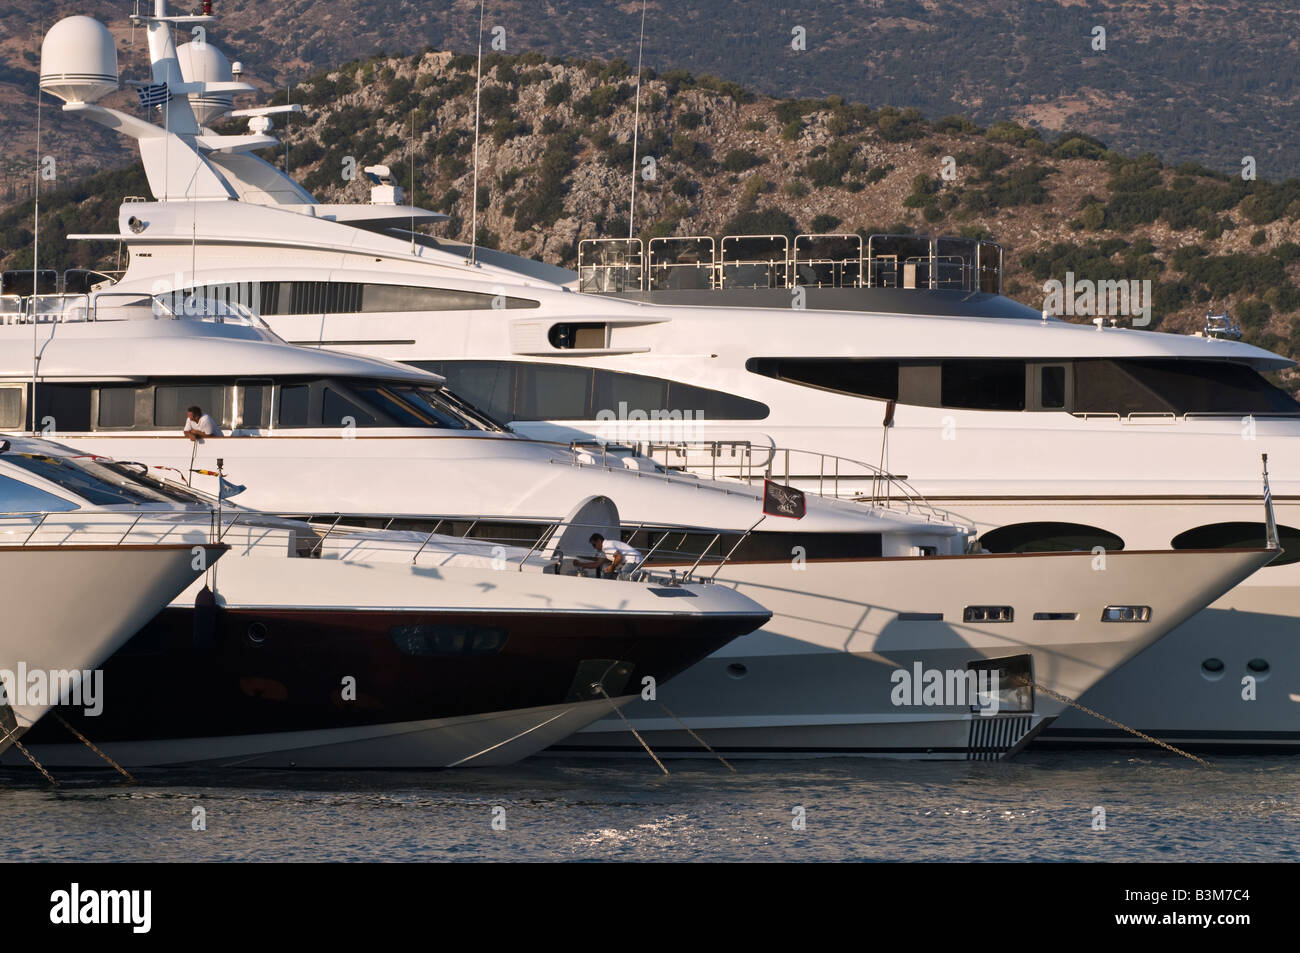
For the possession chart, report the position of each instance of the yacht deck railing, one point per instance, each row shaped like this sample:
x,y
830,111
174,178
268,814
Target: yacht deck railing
x,y
813,260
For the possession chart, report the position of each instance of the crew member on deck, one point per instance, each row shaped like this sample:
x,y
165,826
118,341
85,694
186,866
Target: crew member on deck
x,y
199,425
616,557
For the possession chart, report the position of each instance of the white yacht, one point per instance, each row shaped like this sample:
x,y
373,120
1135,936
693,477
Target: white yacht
x,y
69,604
335,647
856,600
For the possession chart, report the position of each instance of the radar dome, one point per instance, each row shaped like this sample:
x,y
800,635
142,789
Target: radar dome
x,y
79,61
204,63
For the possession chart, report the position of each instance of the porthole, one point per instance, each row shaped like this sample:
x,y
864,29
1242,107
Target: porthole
x,y
737,670
1212,669
1258,666
257,633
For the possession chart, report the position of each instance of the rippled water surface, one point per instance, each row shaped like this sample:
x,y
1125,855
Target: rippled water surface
x,y
1042,806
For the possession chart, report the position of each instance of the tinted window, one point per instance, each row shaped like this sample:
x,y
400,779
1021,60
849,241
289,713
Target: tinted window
x,y
553,392
294,402
402,415
861,378
18,497
170,403
116,407
336,409
67,404
1240,535
1048,538
509,390
1175,386
1052,393
11,408
983,385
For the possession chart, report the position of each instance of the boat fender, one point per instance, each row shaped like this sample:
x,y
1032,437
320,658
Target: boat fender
x,y
205,622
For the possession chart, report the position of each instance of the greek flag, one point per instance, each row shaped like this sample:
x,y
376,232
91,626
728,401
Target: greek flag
x,y
155,94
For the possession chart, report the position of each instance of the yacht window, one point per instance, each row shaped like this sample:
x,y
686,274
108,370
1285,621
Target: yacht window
x,y
295,400
351,297
553,392
426,401
582,336
860,378
401,414
1175,386
513,390
18,497
116,408
1052,387
1240,535
983,385
638,393
489,385
11,408
253,405
67,406
171,401
335,409
1049,538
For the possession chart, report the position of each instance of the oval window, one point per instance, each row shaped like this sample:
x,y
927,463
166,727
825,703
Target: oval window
x,y
1212,668
1258,665
1241,535
1049,538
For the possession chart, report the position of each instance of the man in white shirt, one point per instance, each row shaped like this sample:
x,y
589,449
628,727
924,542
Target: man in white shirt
x,y
199,425
616,557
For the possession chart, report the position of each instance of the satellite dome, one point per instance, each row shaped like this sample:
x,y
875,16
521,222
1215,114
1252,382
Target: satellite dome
x,y
204,63
79,61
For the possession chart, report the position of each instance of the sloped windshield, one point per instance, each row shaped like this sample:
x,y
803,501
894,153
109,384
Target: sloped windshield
x,y
103,482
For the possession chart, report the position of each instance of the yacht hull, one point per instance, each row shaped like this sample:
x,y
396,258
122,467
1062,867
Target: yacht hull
x,y
67,608
822,677
398,688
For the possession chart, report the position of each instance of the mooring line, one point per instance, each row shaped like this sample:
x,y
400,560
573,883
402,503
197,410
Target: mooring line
x,y
688,730
91,745
601,688
13,740
1111,721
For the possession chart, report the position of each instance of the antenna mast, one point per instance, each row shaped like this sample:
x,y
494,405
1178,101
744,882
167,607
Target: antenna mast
x,y
636,126
478,86
36,251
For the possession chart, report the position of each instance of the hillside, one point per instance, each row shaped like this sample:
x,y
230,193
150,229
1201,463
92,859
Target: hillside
x,y
1191,80
555,159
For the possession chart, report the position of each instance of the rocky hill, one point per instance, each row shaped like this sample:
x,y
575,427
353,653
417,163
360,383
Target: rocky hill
x,y
555,160
1191,80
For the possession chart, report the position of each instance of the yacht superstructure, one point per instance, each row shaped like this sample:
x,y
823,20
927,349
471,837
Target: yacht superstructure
x,y
852,587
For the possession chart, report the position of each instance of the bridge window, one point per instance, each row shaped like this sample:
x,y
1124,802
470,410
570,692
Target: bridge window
x,y
859,378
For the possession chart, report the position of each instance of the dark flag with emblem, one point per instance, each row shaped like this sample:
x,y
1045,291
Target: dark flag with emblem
x,y
782,500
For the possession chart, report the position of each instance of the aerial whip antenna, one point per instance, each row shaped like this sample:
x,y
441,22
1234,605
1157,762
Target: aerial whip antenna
x,y
478,86
410,199
36,251
636,124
